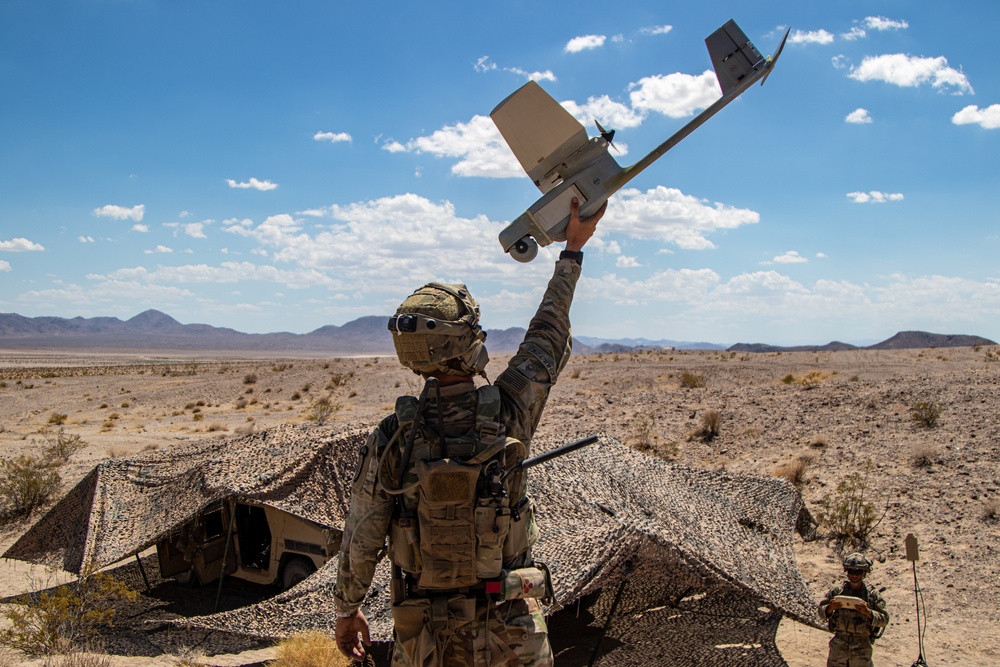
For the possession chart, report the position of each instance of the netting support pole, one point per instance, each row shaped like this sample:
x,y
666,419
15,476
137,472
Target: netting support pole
x,y
142,571
225,557
607,622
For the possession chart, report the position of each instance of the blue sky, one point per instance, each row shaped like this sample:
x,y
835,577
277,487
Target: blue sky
x,y
280,166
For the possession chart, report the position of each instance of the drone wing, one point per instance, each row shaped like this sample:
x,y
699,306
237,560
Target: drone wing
x,y
540,131
733,55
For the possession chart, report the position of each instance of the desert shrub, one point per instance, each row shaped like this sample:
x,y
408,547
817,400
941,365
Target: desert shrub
x,y
241,403
216,426
25,483
56,419
250,378
795,470
306,387
692,380
644,431
711,421
296,396
309,649
322,410
924,455
339,379
788,379
198,416
848,514
925,413
57,620
991,510
62,445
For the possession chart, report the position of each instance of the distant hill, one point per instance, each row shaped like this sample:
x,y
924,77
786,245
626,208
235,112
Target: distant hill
x,y
902,341
153,329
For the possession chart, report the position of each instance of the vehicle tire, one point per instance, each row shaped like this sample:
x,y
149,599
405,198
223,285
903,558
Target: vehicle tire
x,y
187,579
295,570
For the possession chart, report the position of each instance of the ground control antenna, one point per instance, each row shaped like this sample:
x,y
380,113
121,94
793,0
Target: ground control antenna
x,y
913,555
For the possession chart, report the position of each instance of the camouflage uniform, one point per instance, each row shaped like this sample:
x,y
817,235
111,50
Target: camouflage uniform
x,y
448,629
851,644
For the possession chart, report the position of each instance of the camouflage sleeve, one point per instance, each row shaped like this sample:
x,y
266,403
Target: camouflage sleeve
x,y
542,355
876,603
830,594
365,529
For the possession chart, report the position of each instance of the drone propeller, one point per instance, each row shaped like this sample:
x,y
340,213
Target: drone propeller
x,y
607,135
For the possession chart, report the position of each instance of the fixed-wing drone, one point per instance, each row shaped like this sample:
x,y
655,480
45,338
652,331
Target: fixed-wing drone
x,y
554,150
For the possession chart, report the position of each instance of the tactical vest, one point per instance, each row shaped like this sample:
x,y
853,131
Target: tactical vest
x,y
459,520
850,622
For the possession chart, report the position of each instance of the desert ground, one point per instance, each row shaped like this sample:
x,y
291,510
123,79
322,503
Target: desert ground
x,y
818,417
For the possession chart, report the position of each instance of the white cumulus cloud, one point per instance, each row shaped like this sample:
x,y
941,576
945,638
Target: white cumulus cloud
x,y
668,215
675,95
477,144
584,43
21,244
253,184
988,118
910,71
656,30
140,228
627,262
858,117
121,212
85,239
874,197
882,23
790,257
4,266
332,137
810,37
160,249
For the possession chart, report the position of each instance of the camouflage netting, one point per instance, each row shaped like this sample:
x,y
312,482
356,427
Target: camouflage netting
x,y
126,505
651,560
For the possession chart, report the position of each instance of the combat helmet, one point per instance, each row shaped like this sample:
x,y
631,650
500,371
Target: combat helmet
x,y
857,561
437,329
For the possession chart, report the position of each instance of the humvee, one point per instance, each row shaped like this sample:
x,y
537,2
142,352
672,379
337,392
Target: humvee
x,y
257,543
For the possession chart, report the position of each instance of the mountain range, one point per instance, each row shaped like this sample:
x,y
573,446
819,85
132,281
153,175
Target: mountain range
x,y
153,329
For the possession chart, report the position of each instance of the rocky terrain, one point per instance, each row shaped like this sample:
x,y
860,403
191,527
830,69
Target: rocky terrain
x,y
819,417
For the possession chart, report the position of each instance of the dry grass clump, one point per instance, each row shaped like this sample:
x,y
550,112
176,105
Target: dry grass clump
x,y
809,380
711,423
795,470
79,659
819,441
924,455
309,649
991,510
692,380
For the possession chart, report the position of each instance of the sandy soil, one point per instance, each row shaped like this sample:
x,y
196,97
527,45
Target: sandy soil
x,y
835,413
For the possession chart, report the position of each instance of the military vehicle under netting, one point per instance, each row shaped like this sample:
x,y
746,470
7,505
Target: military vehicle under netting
x,y
254,542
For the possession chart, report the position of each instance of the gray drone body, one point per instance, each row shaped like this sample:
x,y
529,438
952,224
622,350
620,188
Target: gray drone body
x,y
555,151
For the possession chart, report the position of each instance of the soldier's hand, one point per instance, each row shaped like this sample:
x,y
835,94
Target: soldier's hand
x,y
864,610
579,230
347,635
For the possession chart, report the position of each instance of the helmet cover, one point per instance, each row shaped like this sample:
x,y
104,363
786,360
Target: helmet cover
x,y
857,561
436,329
